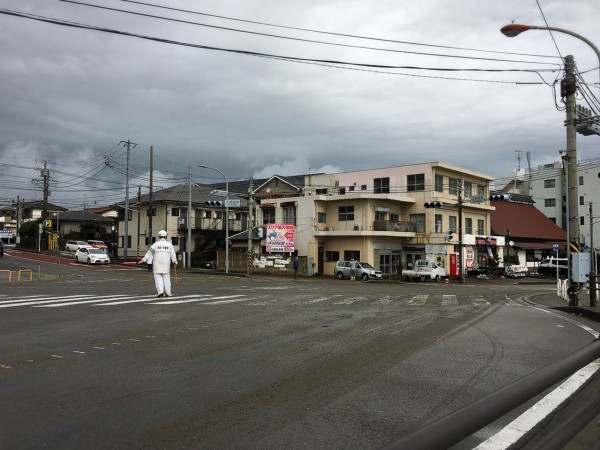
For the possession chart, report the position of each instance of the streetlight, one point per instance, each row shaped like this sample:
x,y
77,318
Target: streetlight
x,y
226,214
513,30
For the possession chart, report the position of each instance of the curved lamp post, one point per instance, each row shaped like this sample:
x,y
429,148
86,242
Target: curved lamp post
x,y
512,30
226,214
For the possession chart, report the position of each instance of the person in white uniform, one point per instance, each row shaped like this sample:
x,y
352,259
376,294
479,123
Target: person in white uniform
x,y
162,255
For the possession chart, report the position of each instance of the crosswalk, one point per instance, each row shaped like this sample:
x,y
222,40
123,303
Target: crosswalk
x,y
55,301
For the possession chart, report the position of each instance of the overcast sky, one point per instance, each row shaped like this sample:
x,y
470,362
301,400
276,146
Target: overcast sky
x,y
71,96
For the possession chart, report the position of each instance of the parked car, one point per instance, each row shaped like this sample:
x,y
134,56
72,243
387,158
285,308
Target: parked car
x,y
98,244
91,255
549,266
361,270
423,270
73,246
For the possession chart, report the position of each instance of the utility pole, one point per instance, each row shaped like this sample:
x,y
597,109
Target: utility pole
x,y
126,237
460,234
189,221
568,89
250,220
151,210
46,183
593,275
139,220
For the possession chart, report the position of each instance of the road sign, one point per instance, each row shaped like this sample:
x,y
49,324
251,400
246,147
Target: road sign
x,y
232,203
555,247
477,199
48,223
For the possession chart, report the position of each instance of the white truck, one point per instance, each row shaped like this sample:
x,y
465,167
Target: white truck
x,y
424,270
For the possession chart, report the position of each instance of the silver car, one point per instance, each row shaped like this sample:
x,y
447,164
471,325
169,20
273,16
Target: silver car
x,y
91,255
343,269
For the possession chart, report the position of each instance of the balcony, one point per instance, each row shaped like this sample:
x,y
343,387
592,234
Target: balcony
x,y
386,225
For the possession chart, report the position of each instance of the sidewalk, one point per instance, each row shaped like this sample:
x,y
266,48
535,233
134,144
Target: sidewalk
x,y
552,300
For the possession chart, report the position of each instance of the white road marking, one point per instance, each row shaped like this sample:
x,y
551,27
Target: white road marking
x,y
175,302
480,301
418,300
449,300
515,430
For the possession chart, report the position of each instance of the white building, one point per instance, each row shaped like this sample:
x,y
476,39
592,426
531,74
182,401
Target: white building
x,y
546,184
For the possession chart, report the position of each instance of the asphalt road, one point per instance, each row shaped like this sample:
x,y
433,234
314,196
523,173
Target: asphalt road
x,y
90,358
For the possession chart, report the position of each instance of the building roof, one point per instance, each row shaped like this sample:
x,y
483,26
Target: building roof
x,y
83,216
526,225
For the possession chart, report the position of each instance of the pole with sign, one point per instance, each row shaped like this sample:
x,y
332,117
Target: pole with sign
x,y
555,249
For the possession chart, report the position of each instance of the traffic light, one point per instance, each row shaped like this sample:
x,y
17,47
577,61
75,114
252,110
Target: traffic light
x,y
434,204
214,203
449,235
500,197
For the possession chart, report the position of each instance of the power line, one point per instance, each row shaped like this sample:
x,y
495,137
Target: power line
x,y
188,22
259,54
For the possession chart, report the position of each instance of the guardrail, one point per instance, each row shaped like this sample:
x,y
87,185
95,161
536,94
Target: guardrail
x,y
19,273
453,428
9,274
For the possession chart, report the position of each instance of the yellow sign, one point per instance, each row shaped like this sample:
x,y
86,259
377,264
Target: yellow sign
x,y
48,223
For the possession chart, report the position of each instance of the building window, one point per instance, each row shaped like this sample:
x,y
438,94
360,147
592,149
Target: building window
x,y
549,202
350,188
580,181
480,227
452,224
321,191
453,184
321,217
380,215
419,221
175,212
439,225
345,213
343,191
381,185
363,187
415,182
268,215
480,190
581,200
468,225
550,183
121,240
553,219
468,189
394,217
151,212
439,183
351,254
175,240
332,256
582,220
289,215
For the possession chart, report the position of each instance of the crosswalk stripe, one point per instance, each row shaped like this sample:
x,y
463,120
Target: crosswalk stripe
x,y
175,302
480,301
167,302
418,300
60,302
37,300
449,300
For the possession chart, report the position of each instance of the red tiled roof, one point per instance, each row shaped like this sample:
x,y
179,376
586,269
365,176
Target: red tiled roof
x,y
524,222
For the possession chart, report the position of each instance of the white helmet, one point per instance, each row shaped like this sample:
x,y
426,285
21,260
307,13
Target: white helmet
x,y
162,233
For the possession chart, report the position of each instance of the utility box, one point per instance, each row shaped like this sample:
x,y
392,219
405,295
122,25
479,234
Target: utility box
x,y
580,268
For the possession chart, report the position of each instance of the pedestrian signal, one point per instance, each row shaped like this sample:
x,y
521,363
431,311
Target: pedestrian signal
x,y
449,235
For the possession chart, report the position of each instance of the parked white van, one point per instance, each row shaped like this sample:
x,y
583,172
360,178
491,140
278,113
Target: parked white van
x,y
549,266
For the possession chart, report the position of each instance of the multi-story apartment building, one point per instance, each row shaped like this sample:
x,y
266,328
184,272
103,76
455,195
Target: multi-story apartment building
x,y
546,184
380,216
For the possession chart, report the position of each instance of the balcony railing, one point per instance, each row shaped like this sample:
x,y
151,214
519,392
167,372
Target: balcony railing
x,y
386,225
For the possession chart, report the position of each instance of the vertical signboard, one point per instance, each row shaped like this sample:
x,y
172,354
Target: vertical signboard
x,y
280,237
